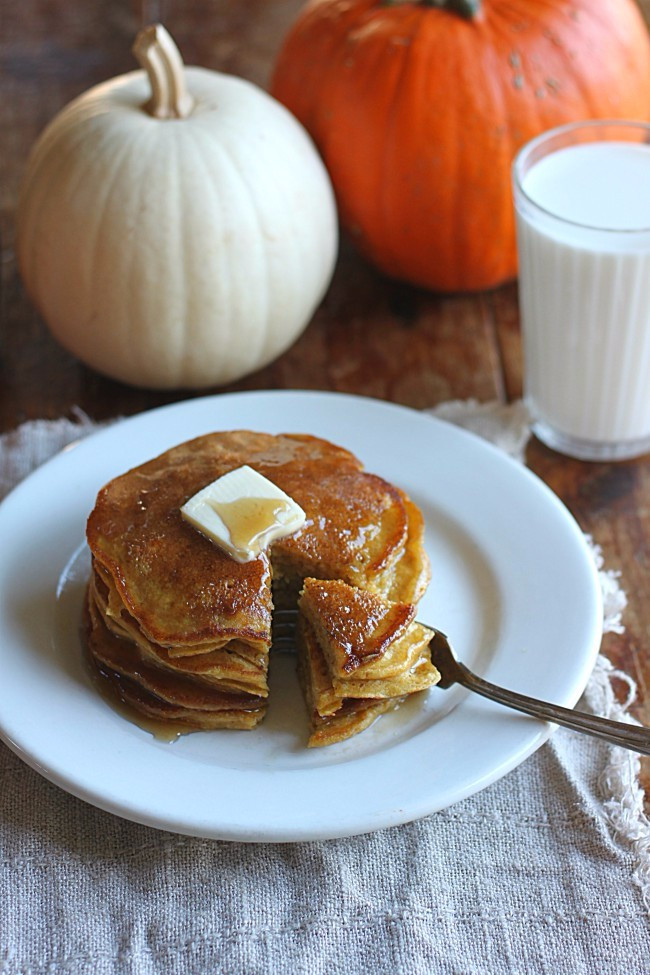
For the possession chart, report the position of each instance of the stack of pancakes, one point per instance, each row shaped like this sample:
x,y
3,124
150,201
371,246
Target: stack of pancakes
x,y
179,630
359,656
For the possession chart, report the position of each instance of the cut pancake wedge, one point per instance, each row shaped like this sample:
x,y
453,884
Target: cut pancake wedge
x,y
357,651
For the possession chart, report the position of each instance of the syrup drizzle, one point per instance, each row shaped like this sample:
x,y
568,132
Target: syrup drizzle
x,y
247,519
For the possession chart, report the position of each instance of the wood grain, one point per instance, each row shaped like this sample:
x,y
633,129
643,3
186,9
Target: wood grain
x,y
371,336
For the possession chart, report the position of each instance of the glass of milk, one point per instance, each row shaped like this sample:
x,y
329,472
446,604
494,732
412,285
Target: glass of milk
x,y
582,201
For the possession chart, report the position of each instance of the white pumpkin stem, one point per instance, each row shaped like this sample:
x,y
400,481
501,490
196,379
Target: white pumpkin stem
x,y
161,59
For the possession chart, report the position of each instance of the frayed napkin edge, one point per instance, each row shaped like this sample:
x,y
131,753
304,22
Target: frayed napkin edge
x,y
507,426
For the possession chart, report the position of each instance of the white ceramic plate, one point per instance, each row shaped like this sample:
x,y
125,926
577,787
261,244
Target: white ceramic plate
x,y
514,586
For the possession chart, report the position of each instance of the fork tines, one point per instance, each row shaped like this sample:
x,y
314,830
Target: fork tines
x,y
283,630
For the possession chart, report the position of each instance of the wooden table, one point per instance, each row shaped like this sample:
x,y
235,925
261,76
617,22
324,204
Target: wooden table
x,y
371,336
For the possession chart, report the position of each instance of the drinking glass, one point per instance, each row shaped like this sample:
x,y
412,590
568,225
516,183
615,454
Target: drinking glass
x,y
582,204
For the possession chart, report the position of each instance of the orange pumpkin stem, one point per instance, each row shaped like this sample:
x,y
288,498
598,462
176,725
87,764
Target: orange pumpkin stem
x,y
158,55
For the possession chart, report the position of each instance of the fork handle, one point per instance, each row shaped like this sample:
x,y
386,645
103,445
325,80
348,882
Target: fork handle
x,y
615,732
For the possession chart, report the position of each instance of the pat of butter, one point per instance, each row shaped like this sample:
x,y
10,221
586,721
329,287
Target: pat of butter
x,y
243,512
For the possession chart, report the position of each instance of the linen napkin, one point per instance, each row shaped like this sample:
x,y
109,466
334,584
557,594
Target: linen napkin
x,y
546,871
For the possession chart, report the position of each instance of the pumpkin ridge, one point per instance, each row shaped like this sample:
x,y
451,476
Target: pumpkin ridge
x,y
33,203
90,245
261,305
583,90
295,271
220,269
385,207
499,28
149,228
187,335
452,251
333,74
176,359
458,264
272,343
118,328
265,304
368,63
567,64
587,93
271,349
595,11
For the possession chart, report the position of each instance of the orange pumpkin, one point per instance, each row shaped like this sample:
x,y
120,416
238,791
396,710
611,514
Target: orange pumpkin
x,y
418,109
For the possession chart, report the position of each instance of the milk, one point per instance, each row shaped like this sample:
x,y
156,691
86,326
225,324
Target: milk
x,y
583,225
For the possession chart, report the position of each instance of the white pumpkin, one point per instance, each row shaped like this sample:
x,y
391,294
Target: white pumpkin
x,y
179,240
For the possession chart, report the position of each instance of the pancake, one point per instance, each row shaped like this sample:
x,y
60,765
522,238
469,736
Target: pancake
x,y
236,666
169,609
357,652
161,716
411,572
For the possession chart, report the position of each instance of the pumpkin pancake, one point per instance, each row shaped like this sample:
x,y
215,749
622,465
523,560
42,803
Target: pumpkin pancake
x,y
185,691
169,716
187,611
224,667
411,572
356,648
160,694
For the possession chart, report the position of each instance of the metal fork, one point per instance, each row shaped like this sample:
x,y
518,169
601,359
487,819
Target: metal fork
x,y
634,737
